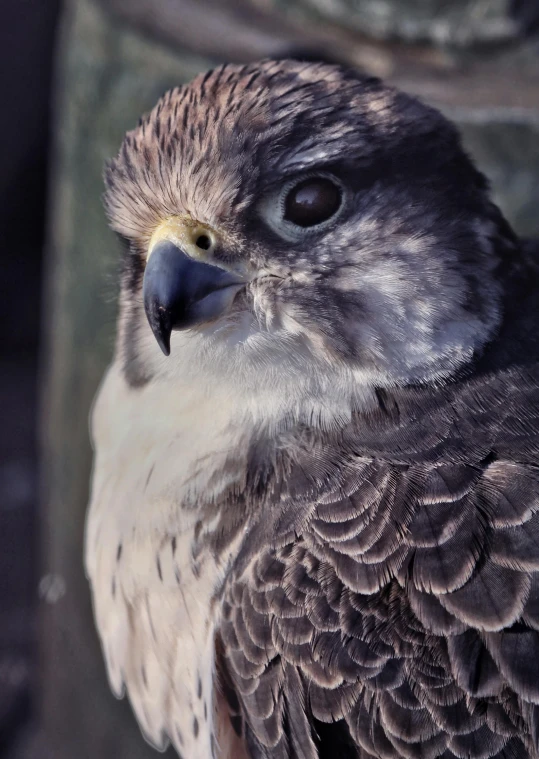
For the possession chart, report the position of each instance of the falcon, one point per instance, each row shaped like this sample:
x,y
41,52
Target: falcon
x,y
314,521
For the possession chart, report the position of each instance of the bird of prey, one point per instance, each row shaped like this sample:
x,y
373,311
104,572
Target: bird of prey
x,y
314,520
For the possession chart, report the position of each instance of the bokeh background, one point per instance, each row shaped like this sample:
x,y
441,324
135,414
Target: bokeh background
x,y
74,76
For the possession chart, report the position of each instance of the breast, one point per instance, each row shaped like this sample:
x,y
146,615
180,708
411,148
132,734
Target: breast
x,y
158,457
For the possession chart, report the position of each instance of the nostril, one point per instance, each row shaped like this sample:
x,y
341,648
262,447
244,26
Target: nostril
x,y
203,242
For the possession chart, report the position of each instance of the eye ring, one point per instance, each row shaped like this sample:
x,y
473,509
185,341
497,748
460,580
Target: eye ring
x,y
272,207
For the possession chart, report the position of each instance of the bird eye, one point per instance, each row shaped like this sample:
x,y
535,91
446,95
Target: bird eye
x,y
312,201
303,205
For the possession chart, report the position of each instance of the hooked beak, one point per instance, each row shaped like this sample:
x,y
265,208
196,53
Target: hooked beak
x,y
181,292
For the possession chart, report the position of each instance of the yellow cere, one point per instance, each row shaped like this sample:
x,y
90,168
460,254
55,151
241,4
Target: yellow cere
x,y
184,232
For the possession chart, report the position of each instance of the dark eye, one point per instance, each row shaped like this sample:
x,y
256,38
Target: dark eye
x,y
312,201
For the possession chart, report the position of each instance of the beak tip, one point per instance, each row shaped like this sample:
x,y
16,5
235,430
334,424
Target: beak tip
x,y
161,328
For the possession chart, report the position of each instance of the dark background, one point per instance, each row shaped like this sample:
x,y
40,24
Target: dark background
x,y
490,86
27,34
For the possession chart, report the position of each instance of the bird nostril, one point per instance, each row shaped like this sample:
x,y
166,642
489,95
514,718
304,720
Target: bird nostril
x,y
203,242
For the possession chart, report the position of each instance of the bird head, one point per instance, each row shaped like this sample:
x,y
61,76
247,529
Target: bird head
x,y
297,221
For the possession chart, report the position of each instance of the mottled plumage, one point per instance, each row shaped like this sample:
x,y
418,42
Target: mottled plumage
x,y
314,527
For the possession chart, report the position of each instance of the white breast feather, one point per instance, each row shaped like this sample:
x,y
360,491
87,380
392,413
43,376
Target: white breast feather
x,y
157,447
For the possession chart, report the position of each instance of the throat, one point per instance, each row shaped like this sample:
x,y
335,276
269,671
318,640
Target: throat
x,y
165,450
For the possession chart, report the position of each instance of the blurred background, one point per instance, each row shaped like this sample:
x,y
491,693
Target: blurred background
x,y
75,75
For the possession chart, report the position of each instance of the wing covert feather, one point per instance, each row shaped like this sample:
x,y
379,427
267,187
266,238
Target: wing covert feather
x,y
397,600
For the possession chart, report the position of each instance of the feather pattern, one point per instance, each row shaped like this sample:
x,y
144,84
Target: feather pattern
x,y
402,608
